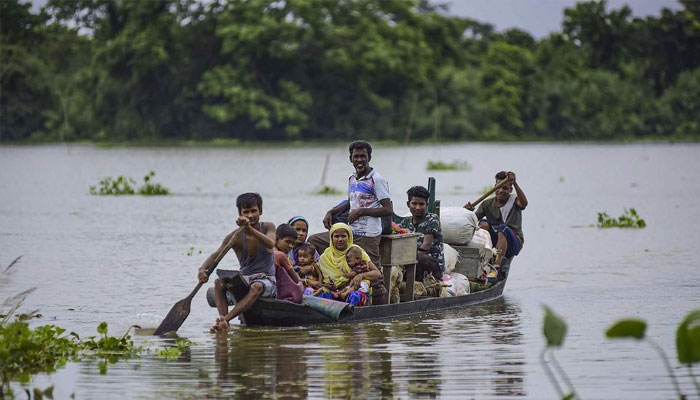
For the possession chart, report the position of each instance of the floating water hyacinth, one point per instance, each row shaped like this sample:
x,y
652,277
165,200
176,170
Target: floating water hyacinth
x,y
127,186
630,219
453,166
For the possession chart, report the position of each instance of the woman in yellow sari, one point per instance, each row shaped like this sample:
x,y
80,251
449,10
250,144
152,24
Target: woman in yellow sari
x,y
334,265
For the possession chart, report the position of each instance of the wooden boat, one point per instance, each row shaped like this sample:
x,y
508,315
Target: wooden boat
x,y
279,313
272,312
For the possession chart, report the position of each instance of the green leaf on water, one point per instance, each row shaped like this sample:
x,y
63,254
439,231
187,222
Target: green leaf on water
x,y
554,328
102,365
102,328
627,328
688,338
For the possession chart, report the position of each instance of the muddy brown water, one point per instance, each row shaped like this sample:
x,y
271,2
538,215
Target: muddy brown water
x,y
127,259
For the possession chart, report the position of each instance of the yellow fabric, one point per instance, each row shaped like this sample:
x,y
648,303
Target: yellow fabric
x,y
333,263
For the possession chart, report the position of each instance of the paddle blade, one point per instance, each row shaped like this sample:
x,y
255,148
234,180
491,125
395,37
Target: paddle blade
x,y
177,315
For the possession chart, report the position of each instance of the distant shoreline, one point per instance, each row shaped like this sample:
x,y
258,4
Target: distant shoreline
x,y
232,143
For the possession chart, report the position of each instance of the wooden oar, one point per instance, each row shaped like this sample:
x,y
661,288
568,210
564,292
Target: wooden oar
x,y
487,194
181,309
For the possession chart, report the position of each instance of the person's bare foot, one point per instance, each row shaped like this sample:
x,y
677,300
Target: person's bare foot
x,y
219,325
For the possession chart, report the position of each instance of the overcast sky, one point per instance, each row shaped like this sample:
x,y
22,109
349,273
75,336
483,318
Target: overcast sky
x,y
540,17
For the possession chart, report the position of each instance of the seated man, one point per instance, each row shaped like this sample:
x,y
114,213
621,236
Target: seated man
x,y
430,245
501,215
254,248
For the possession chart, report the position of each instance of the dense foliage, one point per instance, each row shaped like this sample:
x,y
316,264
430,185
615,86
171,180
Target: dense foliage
x,y
111,70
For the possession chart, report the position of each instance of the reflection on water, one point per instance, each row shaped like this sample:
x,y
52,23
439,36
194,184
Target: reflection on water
x,y
124,260
408,358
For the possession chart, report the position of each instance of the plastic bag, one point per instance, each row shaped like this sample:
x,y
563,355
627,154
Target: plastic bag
x,y
459,284
451,258
458,225
481,236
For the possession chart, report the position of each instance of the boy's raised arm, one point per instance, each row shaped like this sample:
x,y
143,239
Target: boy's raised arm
x,y
521,200
266,237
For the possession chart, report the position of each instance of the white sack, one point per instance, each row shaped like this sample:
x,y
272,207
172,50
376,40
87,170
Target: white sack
x,y
458,225
451,258
459,285
482,237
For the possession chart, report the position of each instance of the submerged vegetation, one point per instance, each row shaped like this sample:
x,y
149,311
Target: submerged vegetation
x,y
328,190
687,347
114,187
126,186
26,351
629,219
443,166
233,71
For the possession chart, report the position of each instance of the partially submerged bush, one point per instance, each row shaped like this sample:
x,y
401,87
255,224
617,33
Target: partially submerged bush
x,y
453,166
328,190
152,189
126,186
26,351
114,187
630,219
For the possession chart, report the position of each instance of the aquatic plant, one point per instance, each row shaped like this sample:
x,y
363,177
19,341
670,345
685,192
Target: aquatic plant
x,y
630,219
126,186
152,189
636,329
192,250
328,190
554,329
172,353
114,187
453,166
26,351
687,345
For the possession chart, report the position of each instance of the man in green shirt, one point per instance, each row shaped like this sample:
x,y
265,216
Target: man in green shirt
x,y
501,216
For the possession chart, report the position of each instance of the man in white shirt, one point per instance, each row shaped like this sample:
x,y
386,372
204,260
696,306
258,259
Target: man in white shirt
x,y
368,201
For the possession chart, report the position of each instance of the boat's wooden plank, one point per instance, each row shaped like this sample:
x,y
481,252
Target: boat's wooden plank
x,y
272,312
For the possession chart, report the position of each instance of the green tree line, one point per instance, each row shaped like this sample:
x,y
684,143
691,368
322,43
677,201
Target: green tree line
x,y
120,70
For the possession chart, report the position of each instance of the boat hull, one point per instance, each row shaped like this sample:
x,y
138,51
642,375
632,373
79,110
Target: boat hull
x,y
272,312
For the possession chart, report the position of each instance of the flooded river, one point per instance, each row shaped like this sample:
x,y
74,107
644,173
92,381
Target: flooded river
x,y
128,259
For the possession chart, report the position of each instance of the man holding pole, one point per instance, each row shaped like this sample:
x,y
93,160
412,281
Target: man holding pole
x,y
501,216
253,243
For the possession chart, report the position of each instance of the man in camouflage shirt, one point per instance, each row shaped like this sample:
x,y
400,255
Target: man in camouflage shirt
x,y
430,254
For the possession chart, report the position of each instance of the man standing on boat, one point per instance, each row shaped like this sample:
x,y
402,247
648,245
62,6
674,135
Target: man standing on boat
x,y
254,247
430,253
501,216
368,201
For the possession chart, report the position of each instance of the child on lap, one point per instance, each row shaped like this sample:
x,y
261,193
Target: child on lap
x,y
308,270
361,295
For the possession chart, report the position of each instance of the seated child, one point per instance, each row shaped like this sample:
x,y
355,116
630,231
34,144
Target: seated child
x,y
289,285
309,272
360,296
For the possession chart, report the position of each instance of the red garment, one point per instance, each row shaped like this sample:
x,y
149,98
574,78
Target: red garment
x,y
287,289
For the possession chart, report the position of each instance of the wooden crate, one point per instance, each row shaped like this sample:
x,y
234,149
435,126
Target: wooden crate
x,y
470,256
398,249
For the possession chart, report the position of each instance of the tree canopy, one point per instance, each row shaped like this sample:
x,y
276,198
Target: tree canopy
x,y
113,70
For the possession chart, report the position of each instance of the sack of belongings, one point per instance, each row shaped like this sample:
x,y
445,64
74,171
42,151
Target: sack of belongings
x,y
459,284
458,225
